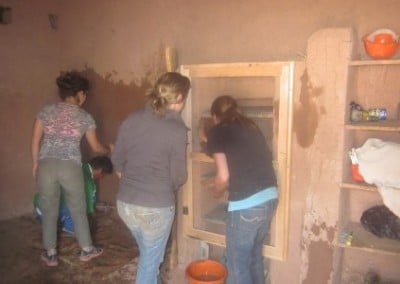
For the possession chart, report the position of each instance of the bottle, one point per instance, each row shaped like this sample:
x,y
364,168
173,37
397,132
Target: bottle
x,y
349,239
355,112
377,114
365,115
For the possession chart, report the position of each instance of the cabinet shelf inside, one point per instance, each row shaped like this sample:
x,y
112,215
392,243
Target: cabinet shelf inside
x,y
381,125
366,241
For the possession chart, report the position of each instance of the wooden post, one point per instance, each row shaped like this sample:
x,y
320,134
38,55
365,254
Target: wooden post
x,y
170,63
170,59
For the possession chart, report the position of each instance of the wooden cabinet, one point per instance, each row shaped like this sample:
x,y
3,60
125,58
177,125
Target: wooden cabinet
x,y
264,91
372,84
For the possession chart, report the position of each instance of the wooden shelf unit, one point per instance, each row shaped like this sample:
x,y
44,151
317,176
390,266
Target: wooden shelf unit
x,y
364,241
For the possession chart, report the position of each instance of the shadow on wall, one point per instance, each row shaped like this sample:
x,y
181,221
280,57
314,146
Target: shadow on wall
x,y
306,113
110,103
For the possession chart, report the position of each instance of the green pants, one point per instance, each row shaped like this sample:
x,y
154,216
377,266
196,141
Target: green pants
x,y
54,174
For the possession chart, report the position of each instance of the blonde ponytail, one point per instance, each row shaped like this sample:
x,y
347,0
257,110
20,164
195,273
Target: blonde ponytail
x,y
170,88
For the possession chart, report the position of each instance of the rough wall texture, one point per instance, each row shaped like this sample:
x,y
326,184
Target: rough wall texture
x,y
29,54
328,54
119,45
319,107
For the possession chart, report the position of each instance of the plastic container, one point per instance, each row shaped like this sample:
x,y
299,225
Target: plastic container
x,y
206,272
355,173
381,44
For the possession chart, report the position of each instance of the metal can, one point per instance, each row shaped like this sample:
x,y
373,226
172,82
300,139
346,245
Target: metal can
x,y
355,112
355,115
377,113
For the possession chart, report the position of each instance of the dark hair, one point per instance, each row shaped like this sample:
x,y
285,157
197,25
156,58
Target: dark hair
x,y
102,162
226,110
166,91
70,83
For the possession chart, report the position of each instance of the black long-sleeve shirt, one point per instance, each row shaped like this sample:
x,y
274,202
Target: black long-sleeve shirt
x,y
150,152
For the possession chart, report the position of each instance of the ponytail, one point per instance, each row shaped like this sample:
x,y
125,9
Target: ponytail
x,y
170,88
227,111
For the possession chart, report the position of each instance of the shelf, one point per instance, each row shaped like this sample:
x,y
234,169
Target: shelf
x,y
374,62
358,185
366,241
381,125
201,157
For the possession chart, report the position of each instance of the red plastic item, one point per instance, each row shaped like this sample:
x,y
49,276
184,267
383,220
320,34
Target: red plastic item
x,y
355,173
381,44
206,272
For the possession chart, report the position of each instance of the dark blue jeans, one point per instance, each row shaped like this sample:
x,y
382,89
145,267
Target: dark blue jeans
x,y
245,233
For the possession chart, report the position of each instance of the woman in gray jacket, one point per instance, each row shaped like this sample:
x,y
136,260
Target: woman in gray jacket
x,y
150,159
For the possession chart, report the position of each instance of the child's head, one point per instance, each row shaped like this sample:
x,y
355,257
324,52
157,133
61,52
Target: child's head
x,y
101,165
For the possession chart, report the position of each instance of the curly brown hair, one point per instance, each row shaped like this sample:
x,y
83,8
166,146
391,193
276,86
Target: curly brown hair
x,y
70,83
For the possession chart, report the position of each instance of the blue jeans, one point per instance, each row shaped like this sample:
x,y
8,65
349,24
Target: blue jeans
x,y
151,228
245,233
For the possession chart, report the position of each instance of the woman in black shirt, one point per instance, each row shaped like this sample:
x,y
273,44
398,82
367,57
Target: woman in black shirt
x,y
244,168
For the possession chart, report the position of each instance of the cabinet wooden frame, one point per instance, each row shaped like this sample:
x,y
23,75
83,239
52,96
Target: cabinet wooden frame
x,y
283,75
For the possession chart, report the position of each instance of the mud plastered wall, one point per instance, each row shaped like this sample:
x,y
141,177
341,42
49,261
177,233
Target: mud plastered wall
x,y
119,46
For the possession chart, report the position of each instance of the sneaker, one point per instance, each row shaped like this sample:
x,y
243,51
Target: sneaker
x,y
88,255
50,260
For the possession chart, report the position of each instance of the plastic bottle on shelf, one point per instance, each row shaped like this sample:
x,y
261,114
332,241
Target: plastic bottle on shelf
x,y
377,114
346,238
356,112
349,239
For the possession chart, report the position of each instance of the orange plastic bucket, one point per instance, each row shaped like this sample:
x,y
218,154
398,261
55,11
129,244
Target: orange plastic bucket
x,y
206,272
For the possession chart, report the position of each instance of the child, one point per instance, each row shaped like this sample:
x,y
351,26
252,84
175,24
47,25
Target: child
x,y
92,172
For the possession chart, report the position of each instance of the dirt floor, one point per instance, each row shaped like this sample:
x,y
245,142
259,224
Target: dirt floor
x,y
21,247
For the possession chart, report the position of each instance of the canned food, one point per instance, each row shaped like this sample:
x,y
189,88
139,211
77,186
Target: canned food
x,y
377,113
355,112
356,115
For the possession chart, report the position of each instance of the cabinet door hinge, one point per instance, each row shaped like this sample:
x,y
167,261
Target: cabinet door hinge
x,y
185,210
